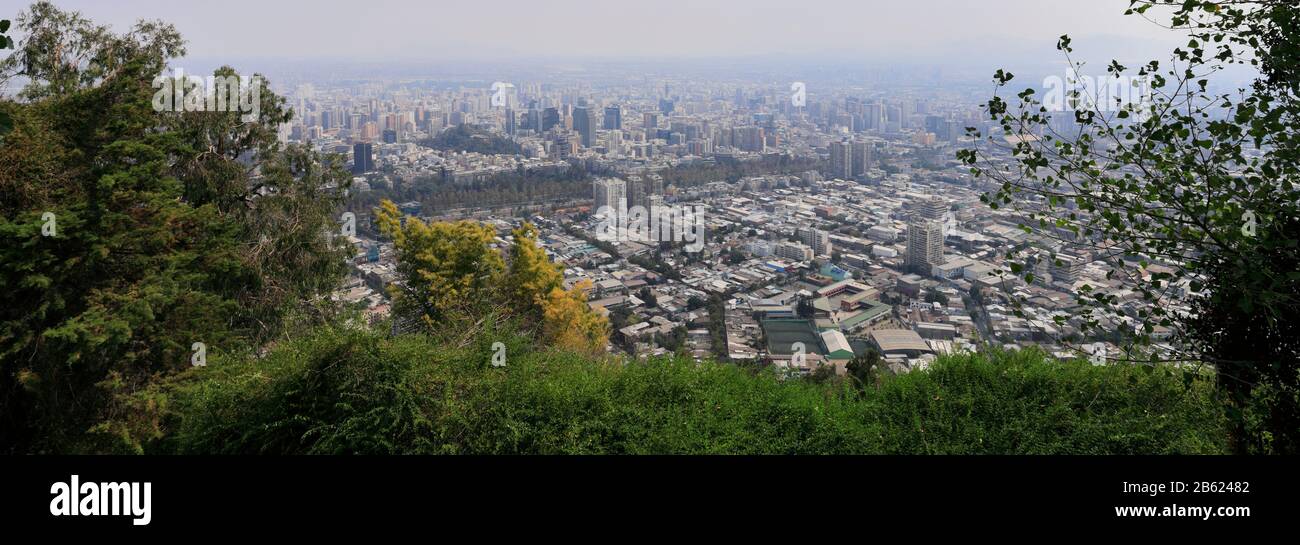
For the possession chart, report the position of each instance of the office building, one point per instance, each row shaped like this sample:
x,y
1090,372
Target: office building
x,y
613,118
584,123
363,154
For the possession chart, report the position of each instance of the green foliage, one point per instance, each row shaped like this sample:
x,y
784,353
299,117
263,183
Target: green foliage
x,y
935,296
64,52
133,233
470,139
864,369
338,391
499,190
1199,179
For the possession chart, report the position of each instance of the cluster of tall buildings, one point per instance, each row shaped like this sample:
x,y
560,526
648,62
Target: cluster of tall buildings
x,y
850,159
644,190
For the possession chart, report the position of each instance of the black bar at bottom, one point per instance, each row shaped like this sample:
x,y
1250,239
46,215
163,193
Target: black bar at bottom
x,y
323,495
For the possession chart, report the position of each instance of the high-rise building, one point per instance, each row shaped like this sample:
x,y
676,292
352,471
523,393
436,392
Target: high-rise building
x,y
613,118
564,144
533,118
637,191
609,192
650,122
363,154
932,208
550,118
510,121
924,245
749,138
841,160
584,123
817,239
875,116
861,157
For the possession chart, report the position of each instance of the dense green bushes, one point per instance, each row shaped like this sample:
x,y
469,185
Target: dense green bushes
x,y
357,392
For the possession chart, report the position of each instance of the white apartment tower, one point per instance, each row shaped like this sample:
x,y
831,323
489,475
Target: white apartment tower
x,y
924,245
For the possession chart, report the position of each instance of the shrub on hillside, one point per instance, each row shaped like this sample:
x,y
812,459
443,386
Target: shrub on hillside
x,y
338,391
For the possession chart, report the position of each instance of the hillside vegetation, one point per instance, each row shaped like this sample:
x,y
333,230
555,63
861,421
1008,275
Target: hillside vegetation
x,y
338,391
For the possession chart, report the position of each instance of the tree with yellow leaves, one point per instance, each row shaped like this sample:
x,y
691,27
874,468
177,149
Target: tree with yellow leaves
x,y
532,276
448,267
537,290
569,323
450,270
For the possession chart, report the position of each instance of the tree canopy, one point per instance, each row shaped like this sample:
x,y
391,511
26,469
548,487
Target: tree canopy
x,y
1196,178
137,238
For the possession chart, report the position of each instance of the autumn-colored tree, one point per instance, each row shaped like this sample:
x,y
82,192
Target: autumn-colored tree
x,y
532,276
448,269
569,323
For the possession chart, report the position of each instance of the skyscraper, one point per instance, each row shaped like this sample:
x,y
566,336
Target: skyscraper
x,y
613,118
861,158
584,122
841,160
637,191
656,184
533,119
550,118
924,245
748,138
650,122
363,154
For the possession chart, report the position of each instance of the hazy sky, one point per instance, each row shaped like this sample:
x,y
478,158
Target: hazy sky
x,y
436,30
